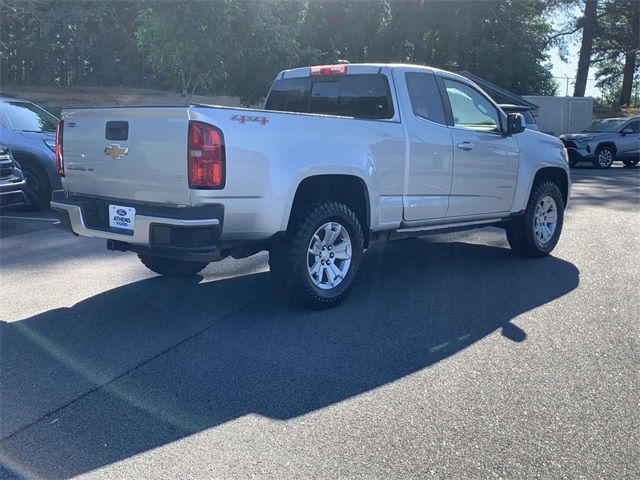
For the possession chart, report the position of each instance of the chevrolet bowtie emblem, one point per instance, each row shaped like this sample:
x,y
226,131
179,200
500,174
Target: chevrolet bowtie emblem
x,y
115,152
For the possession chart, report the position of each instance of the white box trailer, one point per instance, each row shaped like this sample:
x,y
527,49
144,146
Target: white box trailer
x,y
558,115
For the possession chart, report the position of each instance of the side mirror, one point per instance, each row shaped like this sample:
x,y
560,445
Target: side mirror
x,y
515,123
627,131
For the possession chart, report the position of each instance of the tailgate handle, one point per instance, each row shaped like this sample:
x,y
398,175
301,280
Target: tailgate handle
x,y
117,131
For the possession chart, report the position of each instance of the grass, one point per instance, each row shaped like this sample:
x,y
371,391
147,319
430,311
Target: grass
x,y
600,113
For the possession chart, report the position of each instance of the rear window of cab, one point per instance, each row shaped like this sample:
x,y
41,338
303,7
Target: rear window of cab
x,y
356,95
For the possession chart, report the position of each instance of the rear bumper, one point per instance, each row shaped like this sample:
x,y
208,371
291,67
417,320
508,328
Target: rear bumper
x,y
165,230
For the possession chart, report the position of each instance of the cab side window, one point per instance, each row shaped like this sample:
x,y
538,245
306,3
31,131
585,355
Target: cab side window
x,y
635,126
425,96
470,109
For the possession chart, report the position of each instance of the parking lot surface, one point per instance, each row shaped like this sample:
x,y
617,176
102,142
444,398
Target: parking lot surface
x,y
453,358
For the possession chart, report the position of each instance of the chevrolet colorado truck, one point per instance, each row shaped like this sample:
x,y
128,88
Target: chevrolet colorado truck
x,y
341,156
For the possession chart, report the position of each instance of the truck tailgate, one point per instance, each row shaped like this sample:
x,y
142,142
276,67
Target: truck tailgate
x,y
129,153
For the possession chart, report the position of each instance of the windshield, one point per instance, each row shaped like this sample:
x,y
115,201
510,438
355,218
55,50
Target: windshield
x,y
28,117
612,125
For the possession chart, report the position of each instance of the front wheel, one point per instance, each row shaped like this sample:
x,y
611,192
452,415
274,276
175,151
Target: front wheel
x,y
537,232
631,162
171,267
38,191
604,157
318,262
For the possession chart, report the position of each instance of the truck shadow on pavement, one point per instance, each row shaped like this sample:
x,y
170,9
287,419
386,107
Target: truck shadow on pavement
x,y
152,362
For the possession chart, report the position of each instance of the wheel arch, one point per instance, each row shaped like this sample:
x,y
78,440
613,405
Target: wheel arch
x,y
607,143
34,162
349,189
554,174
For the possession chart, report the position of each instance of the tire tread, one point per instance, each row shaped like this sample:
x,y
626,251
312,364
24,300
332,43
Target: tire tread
x,y
287,259
520,234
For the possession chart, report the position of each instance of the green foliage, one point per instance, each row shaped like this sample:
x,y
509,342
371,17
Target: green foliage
x,y
503,41
81,42
609,82
618,42
184,43
230,46
237,46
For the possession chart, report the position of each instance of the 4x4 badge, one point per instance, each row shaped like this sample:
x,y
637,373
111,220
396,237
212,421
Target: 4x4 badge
x,y
115,152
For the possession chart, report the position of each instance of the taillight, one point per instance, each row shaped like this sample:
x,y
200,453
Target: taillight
x,y
58,149
322,70
206,156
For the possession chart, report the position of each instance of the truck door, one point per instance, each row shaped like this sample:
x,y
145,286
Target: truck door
x,y
429,155
485,162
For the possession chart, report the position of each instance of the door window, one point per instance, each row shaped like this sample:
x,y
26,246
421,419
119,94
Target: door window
x,y
635,126
470,109
425,96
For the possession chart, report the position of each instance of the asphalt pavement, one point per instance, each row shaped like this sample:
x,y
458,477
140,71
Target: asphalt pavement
x,y
453,358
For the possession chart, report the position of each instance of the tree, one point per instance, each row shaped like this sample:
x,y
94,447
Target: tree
x,y
589,23
610,84
209,46
237,46
619,40
64,43
503,41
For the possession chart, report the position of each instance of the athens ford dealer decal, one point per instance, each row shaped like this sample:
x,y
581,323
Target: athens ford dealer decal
x,y
122,217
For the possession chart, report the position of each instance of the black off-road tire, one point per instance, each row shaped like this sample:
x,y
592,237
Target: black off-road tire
x,y
289,262
601,150
520,231
628,162
171,267
38,187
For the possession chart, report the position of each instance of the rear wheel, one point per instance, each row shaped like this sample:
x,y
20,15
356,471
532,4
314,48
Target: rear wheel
x,y
631,162
604,157
318,262
537,232
171,267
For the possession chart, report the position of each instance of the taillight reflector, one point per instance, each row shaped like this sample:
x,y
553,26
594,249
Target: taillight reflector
x,y
206,156
322,70
58,149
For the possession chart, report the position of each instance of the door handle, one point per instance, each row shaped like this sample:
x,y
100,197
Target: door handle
x,y
465,146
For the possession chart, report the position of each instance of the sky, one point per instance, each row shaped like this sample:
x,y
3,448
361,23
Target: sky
x,y
561,70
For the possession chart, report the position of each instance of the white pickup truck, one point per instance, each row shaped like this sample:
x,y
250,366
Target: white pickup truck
x,y
341,156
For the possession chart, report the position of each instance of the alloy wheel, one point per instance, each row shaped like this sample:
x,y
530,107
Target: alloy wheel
x,y
545,219
329,255
605,157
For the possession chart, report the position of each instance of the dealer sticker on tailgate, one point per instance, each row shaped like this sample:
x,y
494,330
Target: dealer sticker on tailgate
x,y
122,217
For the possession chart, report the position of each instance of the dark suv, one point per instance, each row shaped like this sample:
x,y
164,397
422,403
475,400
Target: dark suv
x,y
12,182
605,142
29,131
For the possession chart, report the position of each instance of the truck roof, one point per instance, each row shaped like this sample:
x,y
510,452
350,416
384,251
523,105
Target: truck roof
x,y
360,68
